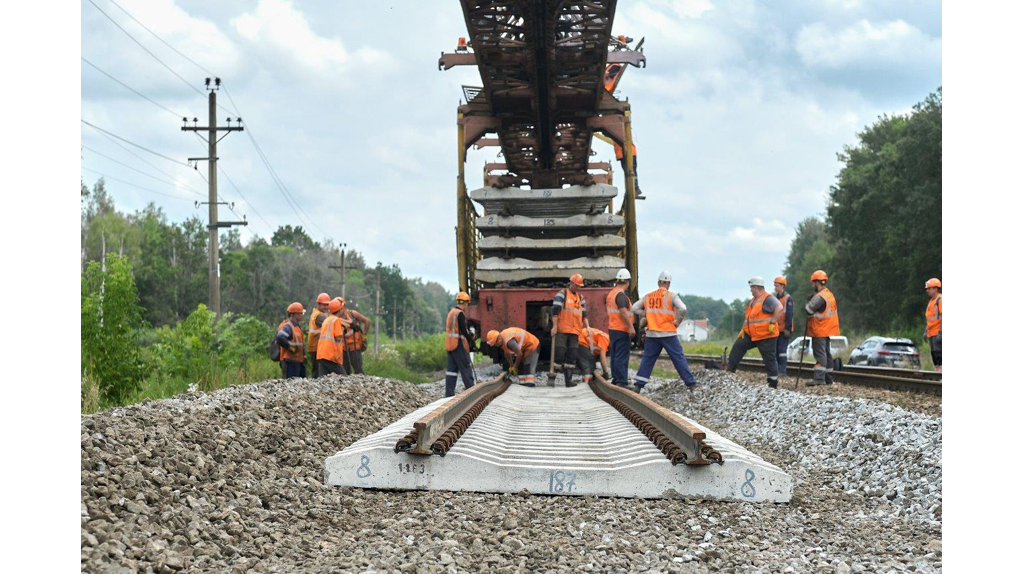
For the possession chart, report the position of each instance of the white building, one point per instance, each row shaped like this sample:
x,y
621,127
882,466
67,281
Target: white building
x,y
691,330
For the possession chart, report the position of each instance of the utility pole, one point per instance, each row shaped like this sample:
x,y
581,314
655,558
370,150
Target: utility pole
x,y
341,268
214,224
376,315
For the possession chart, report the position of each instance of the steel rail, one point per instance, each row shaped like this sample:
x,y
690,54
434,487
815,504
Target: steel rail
x,y
681,441
438,431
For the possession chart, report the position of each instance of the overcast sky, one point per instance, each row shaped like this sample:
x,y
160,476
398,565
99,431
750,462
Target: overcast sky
x,y
738,118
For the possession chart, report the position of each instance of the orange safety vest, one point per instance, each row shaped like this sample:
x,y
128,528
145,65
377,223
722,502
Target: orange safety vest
x,y
527,342
826,323
451,331
311,338
784,300
615,322
618,151
661,314
758,323
601,341
933,316
570,318
286,353
353,338
331,345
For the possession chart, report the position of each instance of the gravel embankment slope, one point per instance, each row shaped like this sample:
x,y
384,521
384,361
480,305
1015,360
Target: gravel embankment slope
x,y
233,480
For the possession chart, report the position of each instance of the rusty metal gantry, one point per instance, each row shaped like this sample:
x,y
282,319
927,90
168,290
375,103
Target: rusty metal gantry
x,y
543,66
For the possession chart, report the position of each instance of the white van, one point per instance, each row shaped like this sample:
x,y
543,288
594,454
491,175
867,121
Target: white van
x,y
838,343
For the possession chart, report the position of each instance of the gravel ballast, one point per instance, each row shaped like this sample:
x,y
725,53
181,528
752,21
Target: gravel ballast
x,y
234,480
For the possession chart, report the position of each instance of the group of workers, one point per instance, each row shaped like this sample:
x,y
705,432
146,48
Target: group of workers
x,y
767,326
334,342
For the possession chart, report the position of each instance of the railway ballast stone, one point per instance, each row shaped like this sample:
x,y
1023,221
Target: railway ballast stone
x,y
232,480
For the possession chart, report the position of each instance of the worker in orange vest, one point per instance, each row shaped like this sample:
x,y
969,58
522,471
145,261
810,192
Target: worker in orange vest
x,y
456,343
785,325
620,327
760,329
289,338
330,349
316,319
568,319
933,320
356,324
619,155
662,310
593,353
822,325
522,351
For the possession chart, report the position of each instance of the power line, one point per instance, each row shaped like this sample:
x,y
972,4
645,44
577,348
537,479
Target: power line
x,y
143,148
136,92
165,42
175,184
155,57
104,176
249,203
142,159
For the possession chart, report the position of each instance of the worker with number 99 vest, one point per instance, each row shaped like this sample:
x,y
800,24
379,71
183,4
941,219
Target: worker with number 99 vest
x,y
568,319
289,339
760,329
662,310
316,319
933,320
456,343
330,349
822,325
620,327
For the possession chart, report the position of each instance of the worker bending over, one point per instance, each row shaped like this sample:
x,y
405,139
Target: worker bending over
x,y
662,310
785,326
822,325
568,319
620,327
596,353
760,329
456,342
289,339
355,341
522,351
933,320
316,319
330,349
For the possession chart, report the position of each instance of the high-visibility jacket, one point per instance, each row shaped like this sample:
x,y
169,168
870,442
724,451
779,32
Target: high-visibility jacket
x,y
311,337
570,318
287,354
784,300
758,323
615,322
331,346
933,316
601,340
825,323
618,151
452,336
660,312
353,338
527,342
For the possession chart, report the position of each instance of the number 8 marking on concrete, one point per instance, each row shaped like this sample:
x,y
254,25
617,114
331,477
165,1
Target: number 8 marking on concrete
x,y
748,489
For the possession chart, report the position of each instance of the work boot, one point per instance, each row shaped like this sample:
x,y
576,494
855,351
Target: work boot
x,y
773,383
815,383
638,388
640,195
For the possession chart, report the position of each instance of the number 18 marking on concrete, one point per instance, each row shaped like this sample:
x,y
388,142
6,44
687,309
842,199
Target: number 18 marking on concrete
x,y
560,481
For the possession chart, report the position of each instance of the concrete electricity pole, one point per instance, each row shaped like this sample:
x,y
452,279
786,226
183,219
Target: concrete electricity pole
x,y
214,224
341,268
376,315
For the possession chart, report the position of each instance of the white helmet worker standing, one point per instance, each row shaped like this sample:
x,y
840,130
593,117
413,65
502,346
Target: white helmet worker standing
x,y
663,310
620,326
760,329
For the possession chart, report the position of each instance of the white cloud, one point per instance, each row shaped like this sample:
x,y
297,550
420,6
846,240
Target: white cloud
x,y
864,44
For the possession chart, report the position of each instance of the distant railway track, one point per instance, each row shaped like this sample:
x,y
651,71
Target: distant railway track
x,y
880,377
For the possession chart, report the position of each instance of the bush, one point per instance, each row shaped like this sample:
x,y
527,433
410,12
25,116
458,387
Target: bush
x,y
388,364
425,354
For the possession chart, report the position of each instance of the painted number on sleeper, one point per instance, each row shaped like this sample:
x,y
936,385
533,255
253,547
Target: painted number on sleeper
x,y
411,468
561,481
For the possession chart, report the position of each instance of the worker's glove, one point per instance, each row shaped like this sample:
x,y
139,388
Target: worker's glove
x,y
772,328
514,371
743,331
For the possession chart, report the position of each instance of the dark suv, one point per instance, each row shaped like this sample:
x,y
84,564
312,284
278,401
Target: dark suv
x,y
886,352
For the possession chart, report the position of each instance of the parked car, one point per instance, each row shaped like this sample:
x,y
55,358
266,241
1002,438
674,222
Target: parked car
x,y
886,352
838,343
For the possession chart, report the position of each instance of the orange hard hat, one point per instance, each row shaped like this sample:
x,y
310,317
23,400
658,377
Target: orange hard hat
x,y
492,337
462,296
933,282
781,279
323,298
577,279
334,306
296,308
341,301
819,275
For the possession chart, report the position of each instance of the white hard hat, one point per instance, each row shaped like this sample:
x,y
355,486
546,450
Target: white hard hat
x,y
665,276
623,274
758,281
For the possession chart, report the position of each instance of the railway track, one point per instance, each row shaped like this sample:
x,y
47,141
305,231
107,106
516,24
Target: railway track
x,y
879,377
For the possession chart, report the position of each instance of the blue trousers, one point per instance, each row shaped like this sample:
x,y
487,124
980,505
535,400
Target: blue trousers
x,y
652,350
619,356
458,364
781,346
